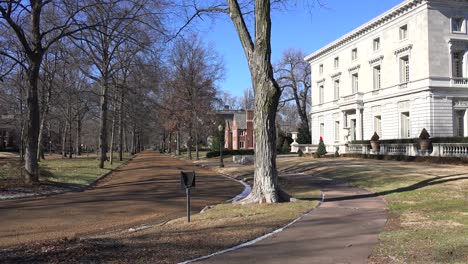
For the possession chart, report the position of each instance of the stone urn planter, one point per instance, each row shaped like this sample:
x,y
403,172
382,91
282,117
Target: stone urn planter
x,y
424,140
375,143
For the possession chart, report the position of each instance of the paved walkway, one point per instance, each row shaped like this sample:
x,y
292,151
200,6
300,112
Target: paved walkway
x,y
146,190
344,229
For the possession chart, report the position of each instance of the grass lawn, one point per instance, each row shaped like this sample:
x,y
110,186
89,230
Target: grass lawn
x,y
80,170
428,205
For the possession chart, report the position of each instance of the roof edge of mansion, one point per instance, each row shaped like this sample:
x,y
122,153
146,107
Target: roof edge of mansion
x,y
384,18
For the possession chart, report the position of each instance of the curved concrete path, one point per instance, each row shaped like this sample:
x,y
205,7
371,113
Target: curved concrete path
x,y
146,190
343,229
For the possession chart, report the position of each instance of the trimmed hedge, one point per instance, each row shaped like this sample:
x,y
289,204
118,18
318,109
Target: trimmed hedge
x,y
226,152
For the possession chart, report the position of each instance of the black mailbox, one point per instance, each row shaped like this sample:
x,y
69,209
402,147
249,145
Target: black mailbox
x,y
187,179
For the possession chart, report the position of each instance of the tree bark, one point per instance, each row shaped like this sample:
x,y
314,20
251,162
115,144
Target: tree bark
x,y
178,143
78,135
111,158
31,166
121,125
103,123
70,141
267,94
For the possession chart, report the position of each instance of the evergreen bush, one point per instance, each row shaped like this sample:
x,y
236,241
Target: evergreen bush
x,y
321,150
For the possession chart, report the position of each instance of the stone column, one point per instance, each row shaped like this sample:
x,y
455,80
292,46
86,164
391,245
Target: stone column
x,y
465,124
359,124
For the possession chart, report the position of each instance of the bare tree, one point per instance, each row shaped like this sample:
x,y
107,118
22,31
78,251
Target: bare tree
x,y
248,99
196,70
31,28
120,23
293,76
257,49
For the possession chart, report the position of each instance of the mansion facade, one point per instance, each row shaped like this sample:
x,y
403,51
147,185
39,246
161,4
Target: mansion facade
x,y
401,72
238,128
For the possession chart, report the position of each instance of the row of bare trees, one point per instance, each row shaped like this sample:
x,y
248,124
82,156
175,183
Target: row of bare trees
x,y
59,52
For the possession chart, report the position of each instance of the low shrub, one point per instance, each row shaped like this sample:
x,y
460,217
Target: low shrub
x,y
226,152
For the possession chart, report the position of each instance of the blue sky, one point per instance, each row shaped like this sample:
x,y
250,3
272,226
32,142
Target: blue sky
x,y
299,28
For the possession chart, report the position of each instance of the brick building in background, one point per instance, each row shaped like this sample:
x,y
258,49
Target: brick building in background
x,y
238,128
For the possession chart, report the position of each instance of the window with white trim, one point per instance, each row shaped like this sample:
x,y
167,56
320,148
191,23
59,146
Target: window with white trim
x,y
376,44
377,77
378,125
337,130
404,32
241,144
336,86
458,24
354,54
321,68
322,129
457,62
405,125
241,132
321,93
460,123
404,69
336,62
355,82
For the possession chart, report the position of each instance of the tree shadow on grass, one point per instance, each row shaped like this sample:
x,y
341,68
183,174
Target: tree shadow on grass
x,y
416,186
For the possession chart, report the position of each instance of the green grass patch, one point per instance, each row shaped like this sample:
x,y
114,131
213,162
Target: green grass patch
x,y
80,170
428,206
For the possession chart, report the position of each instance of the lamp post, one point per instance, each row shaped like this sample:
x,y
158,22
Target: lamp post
x,y
221,163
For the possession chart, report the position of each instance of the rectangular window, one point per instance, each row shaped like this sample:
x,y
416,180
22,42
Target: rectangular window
x,y
376,44
336,85
321,94
377,81
404,69
460,123
353,129
321,68
322,129
355,82
241,145
337,62
404,32
354,54
337,130
378,125
241,133
457,24
405,125
457,61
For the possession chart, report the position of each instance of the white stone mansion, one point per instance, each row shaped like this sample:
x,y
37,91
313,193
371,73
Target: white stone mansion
x,y
403,71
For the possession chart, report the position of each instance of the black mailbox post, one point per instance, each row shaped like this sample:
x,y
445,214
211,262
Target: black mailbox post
x,y
187,180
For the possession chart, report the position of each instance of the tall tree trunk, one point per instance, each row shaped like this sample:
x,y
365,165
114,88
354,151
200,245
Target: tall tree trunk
x,y
178,143
267,94
121,125
111,158
70,141
103,123
78,135
31,166
197,154
64,141
44,114
170,143
134,141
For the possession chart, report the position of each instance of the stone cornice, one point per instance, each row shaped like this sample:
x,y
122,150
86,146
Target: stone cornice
x,y
386,17
321,80
354,68
333,76
403,49
376,60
